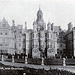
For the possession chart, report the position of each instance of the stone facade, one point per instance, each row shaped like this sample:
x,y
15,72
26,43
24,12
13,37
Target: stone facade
x,y
69,37
70,41
19,38
6,38
11,38
44,41
61,44
51,40
39,42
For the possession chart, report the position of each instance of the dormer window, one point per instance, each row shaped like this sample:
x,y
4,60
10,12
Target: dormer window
x,y
15,31
1,33
4,25
19,45
20,31
5,33
0,44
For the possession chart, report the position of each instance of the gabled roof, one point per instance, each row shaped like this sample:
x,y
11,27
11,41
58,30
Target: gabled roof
x,y
4,24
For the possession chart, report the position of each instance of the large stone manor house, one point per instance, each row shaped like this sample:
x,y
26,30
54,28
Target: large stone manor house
x,y
41,42
11,38
44,40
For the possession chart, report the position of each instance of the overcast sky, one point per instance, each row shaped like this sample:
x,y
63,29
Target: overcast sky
x,y
59,12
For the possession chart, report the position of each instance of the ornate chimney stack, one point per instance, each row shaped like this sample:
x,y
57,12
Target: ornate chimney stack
x,y
52,26
70,26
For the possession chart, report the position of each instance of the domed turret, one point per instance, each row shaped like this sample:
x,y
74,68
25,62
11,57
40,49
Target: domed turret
x,y
39,15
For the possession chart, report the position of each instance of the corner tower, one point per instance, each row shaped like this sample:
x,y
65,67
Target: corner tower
x,y
39,15
40,21
39,28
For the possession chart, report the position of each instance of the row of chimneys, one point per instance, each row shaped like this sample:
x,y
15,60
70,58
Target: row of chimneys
x,y
13,23
70,26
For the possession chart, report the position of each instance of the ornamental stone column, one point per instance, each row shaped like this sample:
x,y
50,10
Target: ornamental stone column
x,y
26,60
66,57
2,57
24,73
42,61
64,63
18,56
72,57
13,58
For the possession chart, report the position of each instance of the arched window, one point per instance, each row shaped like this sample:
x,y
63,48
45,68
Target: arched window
x,y
5,33
51,45
1,33
19,44
40,16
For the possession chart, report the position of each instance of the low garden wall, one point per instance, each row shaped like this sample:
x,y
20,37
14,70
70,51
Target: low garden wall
x,y
51,61
34,61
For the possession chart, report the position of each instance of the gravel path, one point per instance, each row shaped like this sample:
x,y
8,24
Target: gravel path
x,y
67,68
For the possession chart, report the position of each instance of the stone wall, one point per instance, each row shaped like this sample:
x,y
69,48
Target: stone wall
x,y
51,61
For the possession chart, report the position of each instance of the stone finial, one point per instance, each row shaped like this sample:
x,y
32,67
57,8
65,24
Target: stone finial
x,y
13,22
25,25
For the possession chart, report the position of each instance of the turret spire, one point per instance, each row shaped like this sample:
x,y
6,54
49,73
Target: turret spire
x,y
39,14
